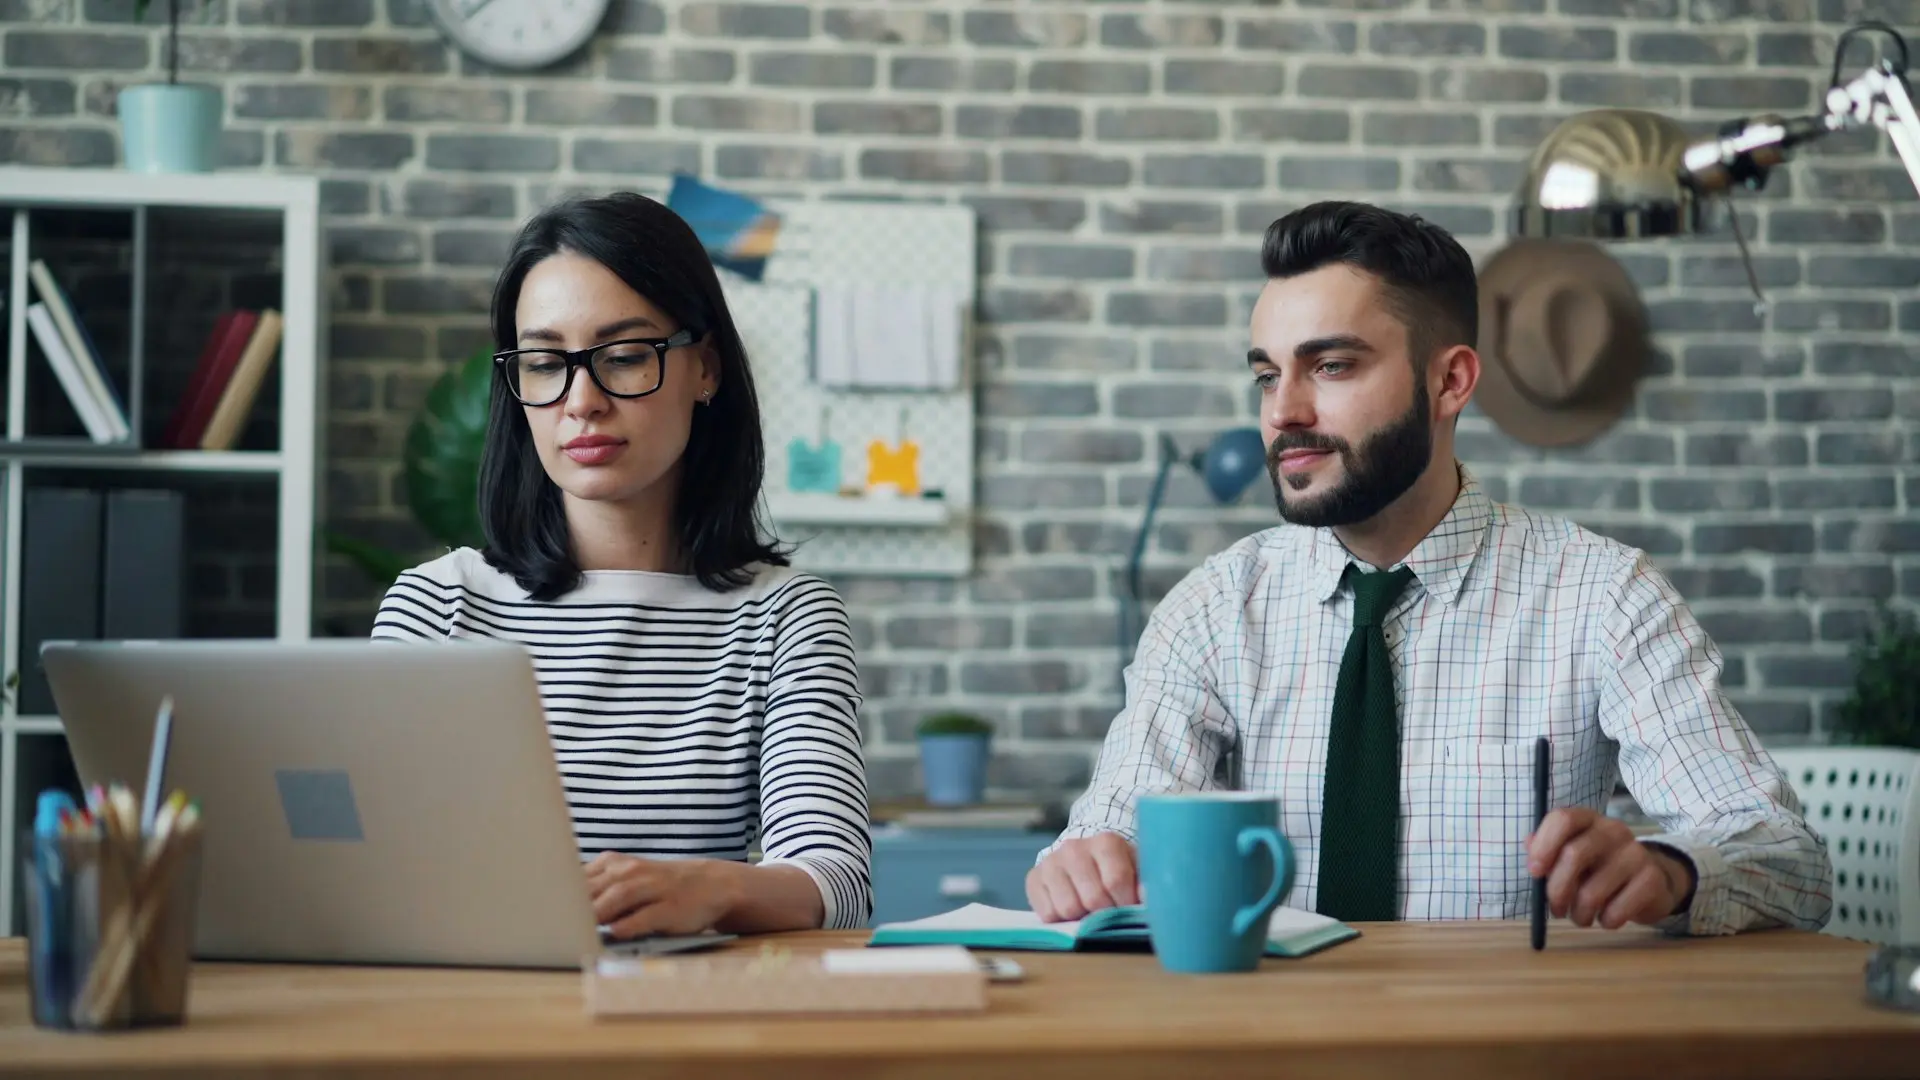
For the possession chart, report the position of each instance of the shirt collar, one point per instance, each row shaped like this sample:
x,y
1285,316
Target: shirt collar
x,y
1440,560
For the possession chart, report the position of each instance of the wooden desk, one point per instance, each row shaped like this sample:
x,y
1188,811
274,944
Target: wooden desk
x,y
1406,1000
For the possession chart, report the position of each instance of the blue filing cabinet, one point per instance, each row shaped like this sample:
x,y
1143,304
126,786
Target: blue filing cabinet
x,y
922,872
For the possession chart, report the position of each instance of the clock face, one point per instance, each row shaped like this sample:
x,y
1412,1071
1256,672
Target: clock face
x,y
520,33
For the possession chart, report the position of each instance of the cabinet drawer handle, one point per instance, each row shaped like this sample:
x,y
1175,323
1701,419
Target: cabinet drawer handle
x,y
957,885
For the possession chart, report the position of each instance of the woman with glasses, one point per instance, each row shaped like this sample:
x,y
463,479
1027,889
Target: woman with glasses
x,y
700,693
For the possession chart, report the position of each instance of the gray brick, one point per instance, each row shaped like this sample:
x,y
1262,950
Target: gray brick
x,y
1162,31
655,157
1425,128
1863,271
1783,538
1810,406
1238,78
1756,626
1061,168
1026,28
1427,39
1682,47
1855,182
843,71
1170,401
373,245
1696,583
1832,581
1579,493
950,73
1482,176
1297,35
1524,132
1347,174
1750,92
56,146
1035,305
310,149
1652,539
374,341
242,149
471,247
1836,493
1832,315
303,12
201,52
635,17
772,162
1793,50
1711,360
950,632
1767,716
1502,7
1004,213
1808,225
1557,43
1840,624
379,56
1355,82
887,26
1077,538
932,165
1898,12
1291,125
591,107
1619,89
1681,316
77,50
1017,122
309,101
1620,9
1166,309
409,13
1084,723
1694,496
1863,448
876,118
1070,261
1055,352
1885,359
1798,671
1081,446
1624,446
897,680
674,66
1871,536
1156,123
493,153
1026,677
1729,271
1749,450
1487,84
24,98
457,199
714,113
463,104
441,294
1042,491
1031,584
343,197
1192,264
1089,77
1220,171
728,20
1149,216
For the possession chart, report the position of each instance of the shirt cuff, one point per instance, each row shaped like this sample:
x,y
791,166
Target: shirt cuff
x,y
1707,914
829,911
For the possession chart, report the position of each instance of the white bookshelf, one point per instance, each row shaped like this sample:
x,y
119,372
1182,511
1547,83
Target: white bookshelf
x,y
293,466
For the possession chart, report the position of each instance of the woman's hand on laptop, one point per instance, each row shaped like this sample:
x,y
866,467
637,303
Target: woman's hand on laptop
x,y
1082,876
634,897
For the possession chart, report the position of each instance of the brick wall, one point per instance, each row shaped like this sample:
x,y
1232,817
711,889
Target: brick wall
x,y
1124,158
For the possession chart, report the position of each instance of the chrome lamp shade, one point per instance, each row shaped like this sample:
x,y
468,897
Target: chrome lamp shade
x,y
1609,174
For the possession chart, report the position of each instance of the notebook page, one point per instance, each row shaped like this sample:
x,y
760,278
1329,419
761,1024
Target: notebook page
x,y
986,917
1286,922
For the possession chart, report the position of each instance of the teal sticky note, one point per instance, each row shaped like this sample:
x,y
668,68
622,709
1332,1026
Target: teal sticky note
x,y
813,468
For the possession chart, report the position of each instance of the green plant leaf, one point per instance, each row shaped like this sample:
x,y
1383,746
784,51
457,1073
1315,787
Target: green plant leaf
x,y
378,563
1883,707
441,460
954,723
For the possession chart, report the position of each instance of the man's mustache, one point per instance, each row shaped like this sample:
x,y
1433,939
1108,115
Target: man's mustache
x,y
1303,440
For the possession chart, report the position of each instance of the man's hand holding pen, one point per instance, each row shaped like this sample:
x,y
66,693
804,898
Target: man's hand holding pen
x,y
1598,872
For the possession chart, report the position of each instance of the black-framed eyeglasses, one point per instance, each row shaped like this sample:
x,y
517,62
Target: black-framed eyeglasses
x,y
628,368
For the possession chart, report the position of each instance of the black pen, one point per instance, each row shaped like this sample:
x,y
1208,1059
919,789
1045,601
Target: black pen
x,y
1542,773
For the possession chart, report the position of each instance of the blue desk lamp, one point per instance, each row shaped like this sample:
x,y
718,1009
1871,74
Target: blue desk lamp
x,y
1233,460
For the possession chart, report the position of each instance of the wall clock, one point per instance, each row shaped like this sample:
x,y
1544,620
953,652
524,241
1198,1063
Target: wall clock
x,y
522,34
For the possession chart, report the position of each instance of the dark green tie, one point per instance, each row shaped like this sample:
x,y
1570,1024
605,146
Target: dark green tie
x,y
1360,809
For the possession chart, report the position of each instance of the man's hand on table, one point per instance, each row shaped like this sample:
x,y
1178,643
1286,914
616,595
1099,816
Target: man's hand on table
x,y
1084,876
1597,872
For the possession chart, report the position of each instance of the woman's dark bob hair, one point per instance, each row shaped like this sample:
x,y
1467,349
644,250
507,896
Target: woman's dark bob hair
x,y
655,252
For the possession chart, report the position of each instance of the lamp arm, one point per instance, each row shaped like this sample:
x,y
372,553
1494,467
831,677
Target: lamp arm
x,y
1130,604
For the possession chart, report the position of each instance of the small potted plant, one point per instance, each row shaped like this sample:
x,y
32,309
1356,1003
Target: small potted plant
x,y
953,758
170,127
1883,708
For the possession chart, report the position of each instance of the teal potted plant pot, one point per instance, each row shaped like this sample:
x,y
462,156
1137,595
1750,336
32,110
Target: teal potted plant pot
x,y
954,748
170,127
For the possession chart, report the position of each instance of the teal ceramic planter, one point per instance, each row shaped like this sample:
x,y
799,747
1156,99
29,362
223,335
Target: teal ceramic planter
x,y
170,128
954,768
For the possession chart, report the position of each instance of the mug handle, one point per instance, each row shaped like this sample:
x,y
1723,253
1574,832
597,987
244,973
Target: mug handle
x,y
1251,837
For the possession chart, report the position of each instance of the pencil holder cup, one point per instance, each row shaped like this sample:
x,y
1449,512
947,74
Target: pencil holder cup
x,y
109,931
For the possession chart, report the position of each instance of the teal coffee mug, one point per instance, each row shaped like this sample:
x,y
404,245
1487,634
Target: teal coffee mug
x,y
1214,866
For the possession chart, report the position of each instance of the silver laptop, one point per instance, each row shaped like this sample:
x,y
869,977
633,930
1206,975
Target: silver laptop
x,y
364,802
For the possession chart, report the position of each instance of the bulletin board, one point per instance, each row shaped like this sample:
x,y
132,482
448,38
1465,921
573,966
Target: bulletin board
x,y
824,252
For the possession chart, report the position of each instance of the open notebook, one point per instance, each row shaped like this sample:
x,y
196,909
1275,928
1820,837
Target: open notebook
x,y
1290,931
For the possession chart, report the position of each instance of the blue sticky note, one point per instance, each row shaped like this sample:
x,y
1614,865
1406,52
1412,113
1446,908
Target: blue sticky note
x,y
812,468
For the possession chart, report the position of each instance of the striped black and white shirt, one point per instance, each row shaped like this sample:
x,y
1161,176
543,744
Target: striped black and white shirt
x,y
687,723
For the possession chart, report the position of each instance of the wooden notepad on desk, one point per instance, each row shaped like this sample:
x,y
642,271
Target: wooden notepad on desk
x,y
1290,931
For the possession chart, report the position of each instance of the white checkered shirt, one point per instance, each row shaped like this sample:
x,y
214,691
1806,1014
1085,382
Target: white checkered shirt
x,y
1516,625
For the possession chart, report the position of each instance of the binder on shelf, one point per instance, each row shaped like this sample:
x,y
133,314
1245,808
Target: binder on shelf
x,y
87,360
144,565
223,429
218,359
59,581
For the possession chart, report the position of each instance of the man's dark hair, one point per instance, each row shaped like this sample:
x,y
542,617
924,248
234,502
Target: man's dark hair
x,y
1426,275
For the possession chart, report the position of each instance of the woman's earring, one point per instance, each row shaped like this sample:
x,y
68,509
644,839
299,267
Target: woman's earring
x,y
706,397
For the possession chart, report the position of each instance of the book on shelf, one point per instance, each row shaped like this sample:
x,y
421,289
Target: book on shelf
x,y
66,368
236,400
218,358
85,356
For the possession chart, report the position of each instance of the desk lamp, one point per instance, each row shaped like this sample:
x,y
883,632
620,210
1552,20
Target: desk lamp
x,y
1233,460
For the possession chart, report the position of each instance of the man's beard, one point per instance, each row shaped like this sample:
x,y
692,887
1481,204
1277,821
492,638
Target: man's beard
x,y
1386,465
